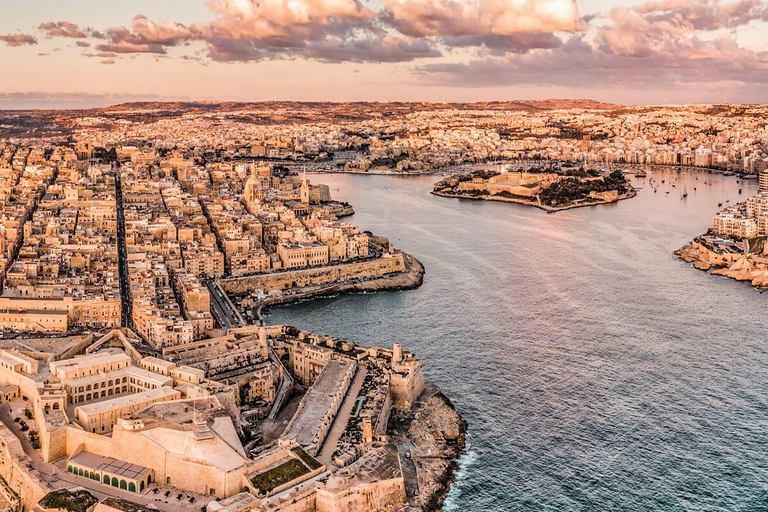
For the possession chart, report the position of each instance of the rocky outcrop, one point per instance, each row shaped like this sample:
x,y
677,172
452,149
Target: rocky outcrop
x,y
738,266
431,438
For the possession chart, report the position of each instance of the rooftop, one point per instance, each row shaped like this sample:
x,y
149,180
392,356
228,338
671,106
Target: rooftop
x,y
110,465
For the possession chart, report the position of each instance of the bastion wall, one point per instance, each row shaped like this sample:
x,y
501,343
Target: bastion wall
x,y
316,276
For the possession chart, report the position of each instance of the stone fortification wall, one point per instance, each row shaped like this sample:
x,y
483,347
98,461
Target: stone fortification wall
x,y
51,438
186,474
381,495
406,388
15,469
316,276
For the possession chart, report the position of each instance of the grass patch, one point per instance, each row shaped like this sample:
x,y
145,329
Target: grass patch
x,y
78,501
310,461
125,505
282,474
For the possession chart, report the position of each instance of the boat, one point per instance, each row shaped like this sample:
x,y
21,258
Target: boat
x,y
719,204
739,190
685,193
640,174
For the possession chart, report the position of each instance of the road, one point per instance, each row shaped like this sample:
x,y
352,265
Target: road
x,y
122,254
340,423
286,385
222,308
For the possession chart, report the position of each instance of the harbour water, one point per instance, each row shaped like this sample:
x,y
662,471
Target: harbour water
x,y
596,370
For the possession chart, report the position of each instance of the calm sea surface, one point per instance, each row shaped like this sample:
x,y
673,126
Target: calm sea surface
x,y
596,370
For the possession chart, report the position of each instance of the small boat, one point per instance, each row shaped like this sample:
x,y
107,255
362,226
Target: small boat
x,y
719,204
727,200
739,190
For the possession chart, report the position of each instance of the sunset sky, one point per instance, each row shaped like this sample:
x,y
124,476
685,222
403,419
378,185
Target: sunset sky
x,y
93,52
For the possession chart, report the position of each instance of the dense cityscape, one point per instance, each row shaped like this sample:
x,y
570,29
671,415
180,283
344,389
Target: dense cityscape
x,y
142,243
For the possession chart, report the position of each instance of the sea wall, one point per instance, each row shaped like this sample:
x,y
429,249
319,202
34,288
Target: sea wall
x,y
387,264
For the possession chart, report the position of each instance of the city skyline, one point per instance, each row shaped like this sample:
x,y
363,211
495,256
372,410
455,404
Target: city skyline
x,y
76,55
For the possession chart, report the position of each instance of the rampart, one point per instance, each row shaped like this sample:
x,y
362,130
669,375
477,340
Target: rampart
x,y
20,480
388,264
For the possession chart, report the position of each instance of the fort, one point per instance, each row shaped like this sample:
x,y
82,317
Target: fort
x,y
561,189
213,421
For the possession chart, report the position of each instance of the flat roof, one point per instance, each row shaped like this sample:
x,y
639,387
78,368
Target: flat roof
x,y
127,400
158,361
319,400
110,465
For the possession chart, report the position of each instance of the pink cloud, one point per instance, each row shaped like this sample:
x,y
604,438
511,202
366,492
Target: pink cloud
x,y
18,39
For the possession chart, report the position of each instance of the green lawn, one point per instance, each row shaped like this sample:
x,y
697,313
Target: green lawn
x,y
279,475
307,458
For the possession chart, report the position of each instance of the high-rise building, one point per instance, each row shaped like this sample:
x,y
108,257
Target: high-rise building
x,y
763,180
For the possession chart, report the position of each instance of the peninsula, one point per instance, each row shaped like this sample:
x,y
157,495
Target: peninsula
x,y
552,188
135,370
735,245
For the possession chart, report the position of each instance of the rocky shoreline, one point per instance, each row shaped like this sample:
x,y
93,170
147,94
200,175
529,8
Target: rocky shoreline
x,y
401,281
433,434
551,209
738,266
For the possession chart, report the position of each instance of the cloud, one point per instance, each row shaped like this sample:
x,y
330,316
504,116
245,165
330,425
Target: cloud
x,y
705,15
63,29
421,18
499,45
18,39
381,49
145,36
579,63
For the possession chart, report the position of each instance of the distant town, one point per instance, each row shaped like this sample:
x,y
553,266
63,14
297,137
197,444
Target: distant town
x,y
414,138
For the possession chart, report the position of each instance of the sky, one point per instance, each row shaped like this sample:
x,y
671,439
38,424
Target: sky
x,y
87,53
